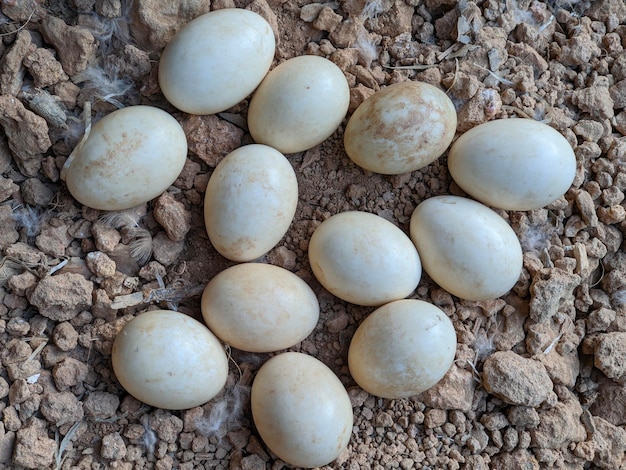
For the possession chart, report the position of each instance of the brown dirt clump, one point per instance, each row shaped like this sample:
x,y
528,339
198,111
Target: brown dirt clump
x,y
539,379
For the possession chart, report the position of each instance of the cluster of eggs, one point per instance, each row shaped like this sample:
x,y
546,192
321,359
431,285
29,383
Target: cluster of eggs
x,y
300,408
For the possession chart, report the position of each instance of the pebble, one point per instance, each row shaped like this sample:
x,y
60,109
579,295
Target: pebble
x,y
517,380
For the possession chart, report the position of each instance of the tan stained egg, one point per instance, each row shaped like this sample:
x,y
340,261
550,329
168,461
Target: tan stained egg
x,y
401,128
402,349
250,202
169,360
130,157
299,104
364,259
259,307
301,410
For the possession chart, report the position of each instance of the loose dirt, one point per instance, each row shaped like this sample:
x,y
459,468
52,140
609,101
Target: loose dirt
x,y
539,379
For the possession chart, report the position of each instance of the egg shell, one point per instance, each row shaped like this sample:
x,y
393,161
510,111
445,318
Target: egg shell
x,y
466,248
401,128
402,349
130,157
513,164
301,410
364,259
299,104
216,60
169,360
259,307
250,202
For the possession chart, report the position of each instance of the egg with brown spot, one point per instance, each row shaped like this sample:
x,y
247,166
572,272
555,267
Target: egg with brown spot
x,y
130,157
169,360
401,128
250,201
259,307
301,410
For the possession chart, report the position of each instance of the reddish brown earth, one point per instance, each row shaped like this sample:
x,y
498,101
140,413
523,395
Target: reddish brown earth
x,y
539,379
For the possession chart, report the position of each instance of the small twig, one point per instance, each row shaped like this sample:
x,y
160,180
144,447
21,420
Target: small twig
x,y
21,27
411,67
496,76
58,453
37,350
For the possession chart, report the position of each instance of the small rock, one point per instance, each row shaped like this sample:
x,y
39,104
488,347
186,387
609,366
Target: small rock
x,y
26,132
33,448
7,189
517,380
611,402
100,264
101,405
165,250
12,75
44,68
283,257
435,418
384,419
454,391
69,372
65,337
610,443
549,293
105,237
23,370
610,355
54,239
166,425
61,408
74,44
563,369
63,296
523,416
23,283
113,447
327,20
173,217
19,392
154,26
594,100
520,458
130,62
36,193
211,138
559,425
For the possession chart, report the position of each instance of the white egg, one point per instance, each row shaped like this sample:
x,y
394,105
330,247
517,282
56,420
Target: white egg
x,y
130,157
216,60
169,360
402,349
299,104
250,202
513,164
364,259
466,248
301,410
401,128
259,307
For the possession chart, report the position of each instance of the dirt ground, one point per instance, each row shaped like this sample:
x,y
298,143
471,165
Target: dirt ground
x,y
539,379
